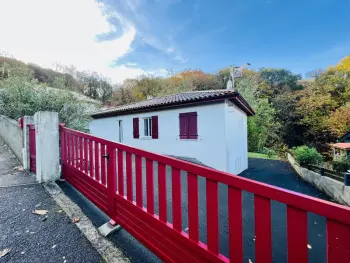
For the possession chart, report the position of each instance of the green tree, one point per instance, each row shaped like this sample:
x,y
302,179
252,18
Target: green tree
x,y
21,96
262,128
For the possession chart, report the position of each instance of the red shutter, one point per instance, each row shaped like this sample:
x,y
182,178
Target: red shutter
x,y
183,126
188,125
136,127
192,127
154,127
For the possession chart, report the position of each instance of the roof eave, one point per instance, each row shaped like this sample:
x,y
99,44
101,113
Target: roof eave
x,y
242,103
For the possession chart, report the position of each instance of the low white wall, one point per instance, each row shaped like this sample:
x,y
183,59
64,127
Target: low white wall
x,y
336,190
12,134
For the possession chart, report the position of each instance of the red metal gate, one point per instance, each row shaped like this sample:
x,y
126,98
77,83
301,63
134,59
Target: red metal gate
x,y
32,148
111,175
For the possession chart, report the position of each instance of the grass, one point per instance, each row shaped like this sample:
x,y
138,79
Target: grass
x,y
262,156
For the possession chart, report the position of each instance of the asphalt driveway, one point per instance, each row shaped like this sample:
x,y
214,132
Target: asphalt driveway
x,y
268,171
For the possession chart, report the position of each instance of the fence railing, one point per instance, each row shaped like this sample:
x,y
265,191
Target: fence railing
x,y
144,193
325,172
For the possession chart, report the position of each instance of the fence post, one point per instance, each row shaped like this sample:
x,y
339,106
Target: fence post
x,y
347,178
111,180
47,146
26,121
322,171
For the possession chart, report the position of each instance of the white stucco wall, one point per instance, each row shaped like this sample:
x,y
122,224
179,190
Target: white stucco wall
x,y
236,136
210,148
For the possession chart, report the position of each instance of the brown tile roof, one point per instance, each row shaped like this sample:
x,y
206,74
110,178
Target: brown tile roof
x,y
177,100
342,145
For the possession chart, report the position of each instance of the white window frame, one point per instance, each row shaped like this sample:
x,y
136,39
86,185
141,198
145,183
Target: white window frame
x,y
147,127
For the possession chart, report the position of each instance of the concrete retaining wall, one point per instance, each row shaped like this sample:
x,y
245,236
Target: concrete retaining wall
x,y
12,134
336,190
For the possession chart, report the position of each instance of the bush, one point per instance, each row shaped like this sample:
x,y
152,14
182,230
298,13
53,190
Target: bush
x,y
305,155
341,165
20,96
269,152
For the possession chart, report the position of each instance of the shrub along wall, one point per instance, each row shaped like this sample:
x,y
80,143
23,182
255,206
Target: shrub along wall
x,y
336,190
12,134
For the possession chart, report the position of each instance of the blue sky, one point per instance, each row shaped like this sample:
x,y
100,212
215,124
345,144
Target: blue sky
x,y
127,38
178,34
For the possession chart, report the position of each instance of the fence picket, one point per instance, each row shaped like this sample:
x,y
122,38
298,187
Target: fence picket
x,y
176,199
97,162
262,219
129,176
338,242
81,156
111,180
297,235
192,185
91,160
212,216
235,224
75,150
139,200
162,192
104,157
69,145
149,186
120,173
63,144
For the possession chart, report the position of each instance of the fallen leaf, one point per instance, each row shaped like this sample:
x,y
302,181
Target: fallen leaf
x,y
37,205
53,246
76,219
4,252
309,246
40,212
60,211
18,168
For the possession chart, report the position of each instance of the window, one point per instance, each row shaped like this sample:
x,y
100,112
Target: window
x,y
188,125
147,127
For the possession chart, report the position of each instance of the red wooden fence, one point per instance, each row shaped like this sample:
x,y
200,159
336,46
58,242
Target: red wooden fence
x,y
103,171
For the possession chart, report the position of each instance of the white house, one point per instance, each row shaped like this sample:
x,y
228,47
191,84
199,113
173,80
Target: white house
x,y
209,126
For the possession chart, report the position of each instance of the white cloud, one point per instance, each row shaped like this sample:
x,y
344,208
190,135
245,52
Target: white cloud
x,y
49,31
131,64
180,59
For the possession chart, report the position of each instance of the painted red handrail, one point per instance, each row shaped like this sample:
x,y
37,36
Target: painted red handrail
x,y
125,205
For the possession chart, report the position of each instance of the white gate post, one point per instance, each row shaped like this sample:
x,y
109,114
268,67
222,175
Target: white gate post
x,y
47,146
26,155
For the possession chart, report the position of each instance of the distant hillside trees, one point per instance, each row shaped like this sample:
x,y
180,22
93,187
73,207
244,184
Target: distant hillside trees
x,y
289,111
